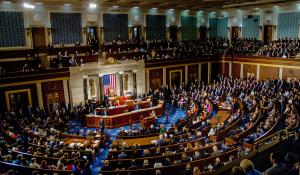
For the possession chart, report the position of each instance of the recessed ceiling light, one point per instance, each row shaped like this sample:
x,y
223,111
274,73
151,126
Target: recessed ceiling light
x,y
67,4
28,6
186,10
39,3
6,2
154,8
115,6
136,7
171,9
93,5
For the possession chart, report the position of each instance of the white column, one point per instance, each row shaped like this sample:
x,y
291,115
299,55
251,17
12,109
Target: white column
x,y
257,72
76,85
147,80
199,72
209,72
186,74
40,94
280,73
118,84
242,70
230,69
164,76
66,91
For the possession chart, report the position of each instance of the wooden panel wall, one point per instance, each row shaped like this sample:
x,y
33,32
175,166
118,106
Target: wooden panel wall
x,y
249,69
52,88
193,72
32,87
170,69
155,78
268,72
204,74
219,68
236,70
290,73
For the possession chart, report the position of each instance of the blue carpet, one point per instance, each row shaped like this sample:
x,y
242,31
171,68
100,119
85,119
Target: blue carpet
x,y
174,114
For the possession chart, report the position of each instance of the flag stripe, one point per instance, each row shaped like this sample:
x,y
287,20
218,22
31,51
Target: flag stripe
x,y
109,82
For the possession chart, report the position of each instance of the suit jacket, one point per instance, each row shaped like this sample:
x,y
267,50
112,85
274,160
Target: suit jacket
x,y
277,169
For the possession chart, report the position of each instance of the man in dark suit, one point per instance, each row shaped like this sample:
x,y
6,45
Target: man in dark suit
x,y
122,155
278,167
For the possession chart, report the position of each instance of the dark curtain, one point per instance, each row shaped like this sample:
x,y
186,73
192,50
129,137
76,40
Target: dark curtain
x,y
115,26
189,28
156,27
12,32
66,28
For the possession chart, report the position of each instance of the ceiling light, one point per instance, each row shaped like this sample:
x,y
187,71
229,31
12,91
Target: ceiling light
x,y
6,2
39,3
200,11
67,4
115,6
136,7
28,6
93,5
154,8
171,9
186,10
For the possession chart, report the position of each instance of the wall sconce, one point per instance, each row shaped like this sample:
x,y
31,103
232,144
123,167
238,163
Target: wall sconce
x,y
101,30
179,29
240,28
130,29
84,30
145,29
49,30
275,27
260,27
228,28
28,31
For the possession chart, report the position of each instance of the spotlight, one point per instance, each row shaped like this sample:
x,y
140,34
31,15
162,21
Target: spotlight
x,y
93,5
28,6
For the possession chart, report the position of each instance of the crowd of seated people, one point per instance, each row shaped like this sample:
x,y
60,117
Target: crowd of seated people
x,y
244,46
37,140
283,48
257,97
68,59
184,142
288,164
163,49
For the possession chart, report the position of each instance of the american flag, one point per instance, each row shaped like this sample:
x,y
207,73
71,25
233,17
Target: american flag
x,y
109,82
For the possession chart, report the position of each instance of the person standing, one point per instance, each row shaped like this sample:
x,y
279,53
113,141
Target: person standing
x,y
102,125
167,117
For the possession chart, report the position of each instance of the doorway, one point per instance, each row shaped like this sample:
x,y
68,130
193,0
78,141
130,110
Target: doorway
x,y
136,34
203,32
268,33
173,33
235,33
92,38
38,37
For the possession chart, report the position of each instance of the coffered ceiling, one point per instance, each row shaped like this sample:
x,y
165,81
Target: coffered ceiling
x,y
193,5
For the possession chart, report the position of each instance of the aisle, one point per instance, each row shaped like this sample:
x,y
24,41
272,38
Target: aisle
x,y
174,114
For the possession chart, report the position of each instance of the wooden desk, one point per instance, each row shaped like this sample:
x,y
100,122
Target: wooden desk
x,y
83,142
123,108
142,141
115,121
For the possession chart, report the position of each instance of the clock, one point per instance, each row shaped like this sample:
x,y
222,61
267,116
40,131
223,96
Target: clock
x,y
111,60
